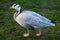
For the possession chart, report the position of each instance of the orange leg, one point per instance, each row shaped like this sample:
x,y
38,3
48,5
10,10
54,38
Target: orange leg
x,y
38,33
27,34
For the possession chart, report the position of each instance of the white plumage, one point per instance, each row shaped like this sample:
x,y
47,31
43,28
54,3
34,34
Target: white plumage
x,y
31,18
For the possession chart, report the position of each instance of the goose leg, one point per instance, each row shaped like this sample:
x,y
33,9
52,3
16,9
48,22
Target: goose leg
x,y
38,33
27,33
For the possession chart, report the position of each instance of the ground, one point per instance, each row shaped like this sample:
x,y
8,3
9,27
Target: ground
x,y
10,30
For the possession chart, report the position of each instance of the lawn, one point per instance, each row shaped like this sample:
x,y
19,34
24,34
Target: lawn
x,y
10,30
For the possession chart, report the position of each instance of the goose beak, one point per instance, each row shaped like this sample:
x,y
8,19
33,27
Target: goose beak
x,y
10,8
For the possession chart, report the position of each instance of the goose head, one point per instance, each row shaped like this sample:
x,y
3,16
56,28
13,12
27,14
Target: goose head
x,y
16,7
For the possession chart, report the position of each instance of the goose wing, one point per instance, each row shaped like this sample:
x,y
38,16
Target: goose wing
x,y
36,20
39,16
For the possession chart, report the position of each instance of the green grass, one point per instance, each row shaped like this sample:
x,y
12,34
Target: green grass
x,y
10,30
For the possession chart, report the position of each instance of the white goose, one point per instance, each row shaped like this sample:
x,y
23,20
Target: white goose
x,y
30,20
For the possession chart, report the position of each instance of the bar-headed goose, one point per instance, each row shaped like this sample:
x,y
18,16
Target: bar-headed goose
x,y
30,20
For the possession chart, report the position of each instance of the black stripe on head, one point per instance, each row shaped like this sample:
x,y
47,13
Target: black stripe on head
x,y
20,10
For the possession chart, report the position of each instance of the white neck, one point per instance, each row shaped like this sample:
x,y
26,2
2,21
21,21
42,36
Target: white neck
x,y
16,14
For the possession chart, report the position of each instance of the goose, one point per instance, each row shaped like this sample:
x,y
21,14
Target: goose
x,y
30,20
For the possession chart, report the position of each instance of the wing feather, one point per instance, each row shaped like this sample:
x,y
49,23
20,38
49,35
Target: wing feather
x,y
38,15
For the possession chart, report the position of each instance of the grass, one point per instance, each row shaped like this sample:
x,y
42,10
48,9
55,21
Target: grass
x,y
10,30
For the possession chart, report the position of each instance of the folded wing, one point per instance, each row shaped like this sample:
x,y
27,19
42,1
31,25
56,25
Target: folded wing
x,y
38,15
